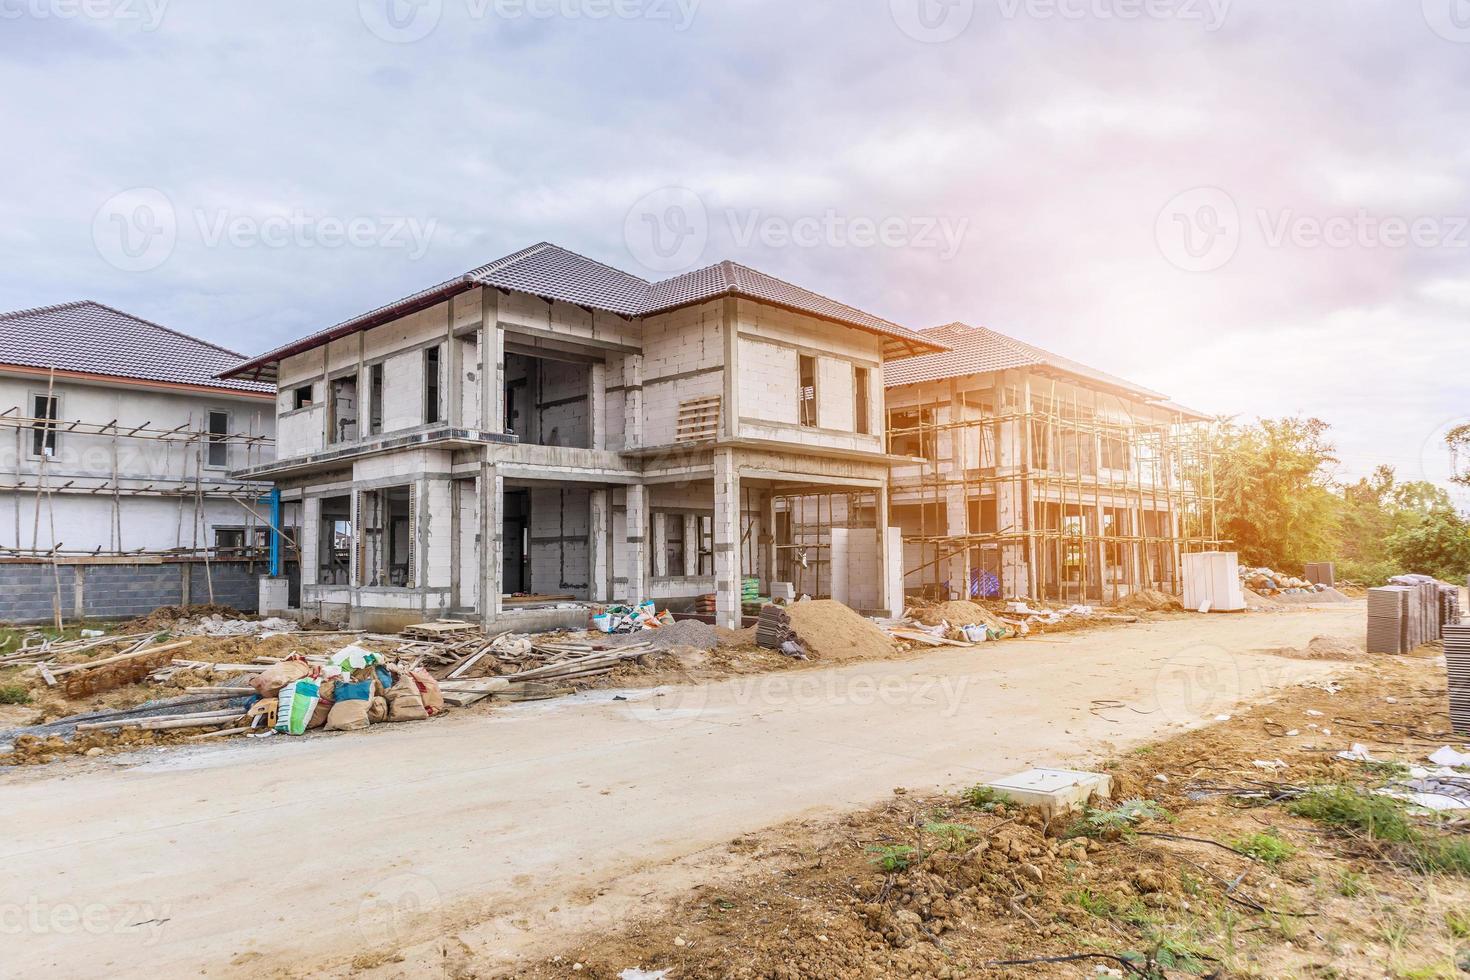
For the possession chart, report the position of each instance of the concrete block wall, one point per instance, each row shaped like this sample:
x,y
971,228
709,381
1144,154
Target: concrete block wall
x,y
560,554
769,380
122,591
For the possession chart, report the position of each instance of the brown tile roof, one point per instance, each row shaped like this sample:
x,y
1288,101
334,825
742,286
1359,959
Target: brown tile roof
x,y
979,350
90,338
554,273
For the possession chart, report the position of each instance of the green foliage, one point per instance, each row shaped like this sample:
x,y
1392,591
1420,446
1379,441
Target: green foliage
x,y
1433,542
952,836
1443,855
984,798
1458,923
1267,848
14,694
1350,884
1121,819
894,857
1380,817
1273,481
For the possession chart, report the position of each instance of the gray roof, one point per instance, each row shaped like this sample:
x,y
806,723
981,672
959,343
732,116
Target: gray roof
x,y
89,338
980,350
554,273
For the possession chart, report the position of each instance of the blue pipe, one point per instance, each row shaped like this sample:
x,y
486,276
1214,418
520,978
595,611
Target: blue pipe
x,y
275,499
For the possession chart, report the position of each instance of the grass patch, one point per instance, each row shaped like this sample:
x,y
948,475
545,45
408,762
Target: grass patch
x,y
14,694
1120,819
893,857
1350,884
1458,923
1380,817
1443,855
1267,848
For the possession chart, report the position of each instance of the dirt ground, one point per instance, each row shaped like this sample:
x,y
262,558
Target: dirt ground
x,y
481,844
1209,884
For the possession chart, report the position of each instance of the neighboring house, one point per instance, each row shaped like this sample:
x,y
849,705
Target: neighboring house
x,y
1041,477
619,439
120,445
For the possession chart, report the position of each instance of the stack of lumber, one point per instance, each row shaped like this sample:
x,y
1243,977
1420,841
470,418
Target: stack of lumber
x,y
562,661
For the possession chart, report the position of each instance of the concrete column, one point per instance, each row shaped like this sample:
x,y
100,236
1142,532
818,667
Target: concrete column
x,y
186,572
660,556
880,510
597,406
79,592
691,546
492,365
637,528
730,407
311,537
599,536
727,540
492,543
633,401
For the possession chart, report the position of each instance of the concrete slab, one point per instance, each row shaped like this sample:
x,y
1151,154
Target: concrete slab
x,y
1054,791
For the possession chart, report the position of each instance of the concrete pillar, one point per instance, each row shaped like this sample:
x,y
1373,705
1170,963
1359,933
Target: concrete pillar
x,y
768,541
311,537
730,399
633,401
597,406
492,543
186,572
599,537
660,556
492,364
885,556
691,545
637,525
79,592
727,540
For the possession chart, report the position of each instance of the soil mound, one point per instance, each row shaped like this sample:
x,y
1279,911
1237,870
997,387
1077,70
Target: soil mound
x,y
832,631
1149,600
958,612
1324,648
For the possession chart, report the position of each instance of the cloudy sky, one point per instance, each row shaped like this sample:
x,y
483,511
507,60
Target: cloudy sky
x,y
1257,206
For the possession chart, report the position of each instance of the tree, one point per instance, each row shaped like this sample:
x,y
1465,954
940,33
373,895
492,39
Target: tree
x,y
1435,541
1277,504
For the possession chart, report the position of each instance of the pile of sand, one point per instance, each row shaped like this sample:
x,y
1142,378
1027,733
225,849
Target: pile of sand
x,y
1149,600
1255,602
832,631
958,612
1324,648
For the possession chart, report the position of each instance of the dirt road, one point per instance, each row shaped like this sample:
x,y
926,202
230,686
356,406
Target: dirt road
x,y
505,831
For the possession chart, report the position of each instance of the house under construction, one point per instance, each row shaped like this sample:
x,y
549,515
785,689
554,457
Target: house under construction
x,y
1033,475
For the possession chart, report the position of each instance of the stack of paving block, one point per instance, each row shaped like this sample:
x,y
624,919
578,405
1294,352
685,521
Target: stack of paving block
x,y
1449,607
1321,573
1457,664
1388,615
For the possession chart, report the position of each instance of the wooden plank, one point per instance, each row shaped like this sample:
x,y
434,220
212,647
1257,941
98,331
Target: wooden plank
x,y
72,668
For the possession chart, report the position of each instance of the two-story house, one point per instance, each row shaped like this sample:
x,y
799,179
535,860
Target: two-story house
x,y
547,430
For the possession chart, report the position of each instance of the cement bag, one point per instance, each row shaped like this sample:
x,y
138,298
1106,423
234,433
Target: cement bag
x,y
428,690
350,713
325,699
405,703
295,705
268,682
378,710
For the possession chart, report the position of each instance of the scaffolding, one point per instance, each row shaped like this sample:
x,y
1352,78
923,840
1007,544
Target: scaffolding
x,y
1051,497
803,534
105,444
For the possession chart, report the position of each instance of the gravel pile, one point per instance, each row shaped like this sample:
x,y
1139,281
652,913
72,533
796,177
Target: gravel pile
x,y
684,633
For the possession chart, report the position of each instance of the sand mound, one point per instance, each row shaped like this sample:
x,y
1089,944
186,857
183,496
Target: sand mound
x,y
832,631
1255,602
958,612
1324,648
1149,600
